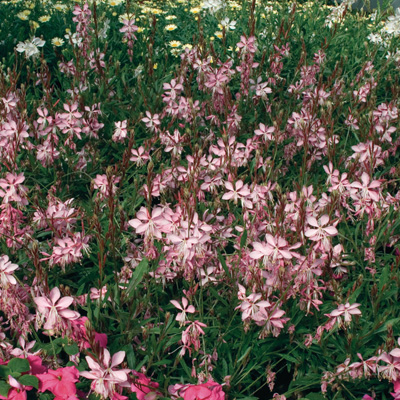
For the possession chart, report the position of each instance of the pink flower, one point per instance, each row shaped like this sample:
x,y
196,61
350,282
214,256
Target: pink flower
x,y
17,391
6,270
205,391
60,382
247,45
240,191
150,225
54,309
368,190
144,388
346,310
105,377
322,230
120,131
139,156
181,317
13,190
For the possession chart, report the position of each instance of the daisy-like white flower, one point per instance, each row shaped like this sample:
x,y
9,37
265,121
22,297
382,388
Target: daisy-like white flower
x,y
171,27
44,18
57,41
175,43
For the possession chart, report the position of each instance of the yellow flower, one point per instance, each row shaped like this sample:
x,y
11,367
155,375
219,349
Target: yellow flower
x,y
114,3
140,29
195,10
57,41
175,43
60,7
22,16
171,27
34,25
175,52
212,38
44,18
155,66
26,12
156,11
219,35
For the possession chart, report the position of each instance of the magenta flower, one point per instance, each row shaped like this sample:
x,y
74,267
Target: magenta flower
x,y
60,382
144,388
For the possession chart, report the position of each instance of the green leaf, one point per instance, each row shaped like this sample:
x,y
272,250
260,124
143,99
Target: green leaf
x,y
223,263
384,279
71,349
4,388
288,358
186,368
245,354
19,365
4,371
138,274
315,396
243,239
29,380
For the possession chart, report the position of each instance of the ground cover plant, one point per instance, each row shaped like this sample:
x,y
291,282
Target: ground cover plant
x,y
199,200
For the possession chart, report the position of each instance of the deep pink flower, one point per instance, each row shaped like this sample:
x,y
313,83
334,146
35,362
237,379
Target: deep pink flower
x,y
144,388
206,391
60,382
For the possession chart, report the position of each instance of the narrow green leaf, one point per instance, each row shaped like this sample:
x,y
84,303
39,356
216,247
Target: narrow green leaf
x,y
243,239
138,274
223,263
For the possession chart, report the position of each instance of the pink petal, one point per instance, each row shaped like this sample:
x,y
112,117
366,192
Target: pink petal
x,y
65,302
55,295
177,305
117,358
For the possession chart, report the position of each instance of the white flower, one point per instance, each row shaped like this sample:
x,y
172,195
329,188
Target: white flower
x,y
213,5
228,24
103,31
30,48
38,42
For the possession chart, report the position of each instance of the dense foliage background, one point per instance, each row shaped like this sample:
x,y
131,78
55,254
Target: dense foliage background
x,y
199,200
